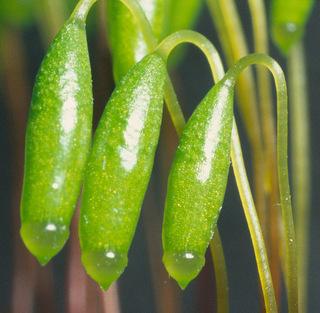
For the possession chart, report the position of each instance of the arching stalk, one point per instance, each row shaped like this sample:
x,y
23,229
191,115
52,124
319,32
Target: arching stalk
x,y
260,35
81,10
231,35
283,174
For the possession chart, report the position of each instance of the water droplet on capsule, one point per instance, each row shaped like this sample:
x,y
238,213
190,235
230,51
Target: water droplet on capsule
x,y
183,267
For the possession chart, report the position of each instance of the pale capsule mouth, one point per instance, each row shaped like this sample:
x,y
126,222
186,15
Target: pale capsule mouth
x,y
44,239
104,265
183,266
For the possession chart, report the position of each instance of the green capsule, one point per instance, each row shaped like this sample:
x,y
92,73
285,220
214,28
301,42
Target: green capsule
x,y
126,40
57,141
288,19
119,169
197,184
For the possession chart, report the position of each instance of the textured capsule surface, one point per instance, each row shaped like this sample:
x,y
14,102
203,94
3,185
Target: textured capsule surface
x,y
57,142
126,40
197,184
119,168
288,19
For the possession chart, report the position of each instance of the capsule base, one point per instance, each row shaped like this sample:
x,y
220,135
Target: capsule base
x,y
44,239
104,266
183,267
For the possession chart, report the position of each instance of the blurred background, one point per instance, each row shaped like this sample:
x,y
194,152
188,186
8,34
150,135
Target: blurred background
x,y
145,287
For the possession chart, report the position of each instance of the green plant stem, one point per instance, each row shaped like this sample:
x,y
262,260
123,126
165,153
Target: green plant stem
x,y
221,274
283,174
231,35
81,10
200,41
259,26
165,48
300,163
253,223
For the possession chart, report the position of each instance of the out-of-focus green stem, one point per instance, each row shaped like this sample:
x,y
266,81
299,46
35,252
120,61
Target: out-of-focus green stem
x,y
231,35
50,16
300,163
283,173
259,26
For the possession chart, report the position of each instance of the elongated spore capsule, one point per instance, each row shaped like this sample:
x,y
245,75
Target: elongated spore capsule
x,y
57,141
119,169
197,184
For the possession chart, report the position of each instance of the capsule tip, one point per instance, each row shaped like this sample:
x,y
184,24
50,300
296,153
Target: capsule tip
x,y
44,239
183,267
104,266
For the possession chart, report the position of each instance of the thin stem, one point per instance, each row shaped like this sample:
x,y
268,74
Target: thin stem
x,y
82,9
253,222
174,107
300,163
283,174
220,272
231,35
259,26
188,36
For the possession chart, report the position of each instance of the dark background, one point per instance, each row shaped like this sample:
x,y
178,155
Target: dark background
x,y
144,287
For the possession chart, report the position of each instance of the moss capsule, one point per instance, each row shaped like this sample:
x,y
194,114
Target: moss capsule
x,y
197,184
126,40
119,168
57,141
288,19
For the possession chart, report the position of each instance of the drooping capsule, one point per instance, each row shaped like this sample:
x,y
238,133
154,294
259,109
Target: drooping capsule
x,y
126,40
197,184
288,19
119,169
58,139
